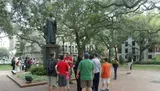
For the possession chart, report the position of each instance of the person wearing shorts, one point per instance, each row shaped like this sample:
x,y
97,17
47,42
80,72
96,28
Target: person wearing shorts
x,y
68,58
52,82
86,68
62,69
130,67
52,77
62,82
105,75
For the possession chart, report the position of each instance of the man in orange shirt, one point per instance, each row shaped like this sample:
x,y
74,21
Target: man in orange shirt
x,y
105,75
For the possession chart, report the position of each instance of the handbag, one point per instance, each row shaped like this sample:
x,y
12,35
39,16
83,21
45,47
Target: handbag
x,y
67,77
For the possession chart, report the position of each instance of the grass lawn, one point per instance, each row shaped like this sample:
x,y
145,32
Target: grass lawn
x,y
147,67
144,67
5,67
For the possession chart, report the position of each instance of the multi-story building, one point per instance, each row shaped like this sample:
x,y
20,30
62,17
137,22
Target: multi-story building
x,y
131,49
4,40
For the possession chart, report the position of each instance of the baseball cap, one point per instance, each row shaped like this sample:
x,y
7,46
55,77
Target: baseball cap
x,y
86,54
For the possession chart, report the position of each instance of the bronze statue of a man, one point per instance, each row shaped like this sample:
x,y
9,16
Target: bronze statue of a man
x,y
50,30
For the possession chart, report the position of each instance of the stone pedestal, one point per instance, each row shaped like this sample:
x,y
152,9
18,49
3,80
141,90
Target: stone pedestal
x,y
47,50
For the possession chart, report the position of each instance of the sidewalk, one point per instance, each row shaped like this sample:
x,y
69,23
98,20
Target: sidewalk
x,y
137,81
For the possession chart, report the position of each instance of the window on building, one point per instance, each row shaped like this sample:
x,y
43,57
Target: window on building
x,y
66,48
119,50
126,56
149,56
134,58
120,56
126,43
150,50
72,48
133,51
157,49
76,50
126,50
133,43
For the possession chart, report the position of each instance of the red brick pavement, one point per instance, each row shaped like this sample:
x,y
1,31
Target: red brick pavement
x,y
137,81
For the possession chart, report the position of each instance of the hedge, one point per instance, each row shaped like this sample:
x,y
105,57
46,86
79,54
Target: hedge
x,y
38,70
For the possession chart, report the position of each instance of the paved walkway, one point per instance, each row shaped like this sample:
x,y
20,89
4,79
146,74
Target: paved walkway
x,y
137,81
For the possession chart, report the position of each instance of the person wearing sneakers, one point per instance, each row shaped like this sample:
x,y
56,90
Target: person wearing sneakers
x,y
97,69
62,69
86,68
68,59
105,75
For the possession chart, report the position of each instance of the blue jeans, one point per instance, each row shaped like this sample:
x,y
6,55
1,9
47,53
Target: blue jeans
x,y
96,81
115,72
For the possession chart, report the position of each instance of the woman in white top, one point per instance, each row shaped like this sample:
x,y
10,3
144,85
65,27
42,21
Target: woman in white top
x,y
18,64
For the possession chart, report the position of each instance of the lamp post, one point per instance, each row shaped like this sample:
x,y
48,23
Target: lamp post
x,y
63,44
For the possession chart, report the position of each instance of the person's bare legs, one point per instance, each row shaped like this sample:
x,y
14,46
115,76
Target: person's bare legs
x,y
83,89
103,87
49,88
53,88
89,89
107,86
60,88
68,85
64,89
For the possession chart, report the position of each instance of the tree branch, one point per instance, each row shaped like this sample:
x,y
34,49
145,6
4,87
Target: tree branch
x,y
124,3
30,40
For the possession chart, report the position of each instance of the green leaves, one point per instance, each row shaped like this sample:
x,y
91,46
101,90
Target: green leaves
x,y
5,22
79,20
4,52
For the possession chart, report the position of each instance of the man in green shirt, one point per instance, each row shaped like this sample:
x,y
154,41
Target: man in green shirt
x,y
86,68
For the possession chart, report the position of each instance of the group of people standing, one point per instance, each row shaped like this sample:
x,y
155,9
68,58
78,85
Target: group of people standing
x,y
59,71
87,69
22,64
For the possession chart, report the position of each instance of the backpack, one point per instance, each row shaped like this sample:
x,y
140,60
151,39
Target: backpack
x,y
17,63
51,67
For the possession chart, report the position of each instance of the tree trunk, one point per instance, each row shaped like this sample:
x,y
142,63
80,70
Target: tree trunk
x,y
140,54
115,50
80,52
70,48
84,48
109,54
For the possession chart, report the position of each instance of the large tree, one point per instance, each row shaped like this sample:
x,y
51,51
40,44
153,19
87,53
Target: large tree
x,y
82,19
145,31
5,21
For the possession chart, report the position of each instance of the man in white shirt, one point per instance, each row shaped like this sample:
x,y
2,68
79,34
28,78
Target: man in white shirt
x,y
97,68
130,67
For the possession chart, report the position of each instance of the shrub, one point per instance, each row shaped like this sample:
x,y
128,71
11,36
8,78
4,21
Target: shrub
x,y
35,77
38,70
121,61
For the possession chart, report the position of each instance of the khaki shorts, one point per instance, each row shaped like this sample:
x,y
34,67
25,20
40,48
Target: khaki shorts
x,y
52,81
86,83
105,80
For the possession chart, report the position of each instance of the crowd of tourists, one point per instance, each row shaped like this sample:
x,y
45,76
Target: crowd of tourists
x,y
88,72
88,69
23,64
